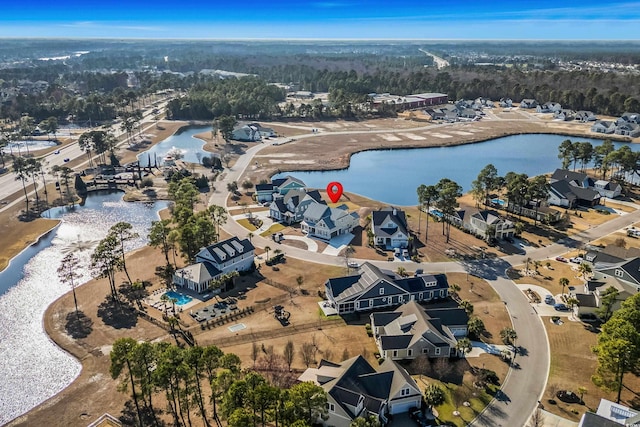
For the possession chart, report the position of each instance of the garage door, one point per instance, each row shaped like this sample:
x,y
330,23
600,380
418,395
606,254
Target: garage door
x,y
397,408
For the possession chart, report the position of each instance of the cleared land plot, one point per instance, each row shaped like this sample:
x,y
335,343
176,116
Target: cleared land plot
x,y
572,365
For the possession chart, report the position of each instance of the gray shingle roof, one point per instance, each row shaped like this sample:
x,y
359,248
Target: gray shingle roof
x,y
383,216
229,249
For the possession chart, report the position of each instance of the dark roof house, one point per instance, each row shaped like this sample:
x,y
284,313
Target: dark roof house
x,y
372,288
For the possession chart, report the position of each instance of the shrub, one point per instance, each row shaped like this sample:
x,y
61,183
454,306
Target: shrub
x,y
381,361
146,182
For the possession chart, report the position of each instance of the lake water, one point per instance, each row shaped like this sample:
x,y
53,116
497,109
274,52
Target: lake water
x,y
392,176
33,367
183,140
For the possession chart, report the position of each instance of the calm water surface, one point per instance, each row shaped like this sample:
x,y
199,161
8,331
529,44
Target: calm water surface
x,y
183,140
392,176
32,367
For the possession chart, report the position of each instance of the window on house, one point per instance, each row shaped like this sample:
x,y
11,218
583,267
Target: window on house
x,y
405,392
410,352
619,273
395,353
331,407
381,291
437,351
425,351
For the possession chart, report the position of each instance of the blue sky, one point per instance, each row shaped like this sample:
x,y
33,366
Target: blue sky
x,y
334,19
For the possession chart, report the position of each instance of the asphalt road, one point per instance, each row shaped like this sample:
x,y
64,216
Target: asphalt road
x,y
9,185
526,381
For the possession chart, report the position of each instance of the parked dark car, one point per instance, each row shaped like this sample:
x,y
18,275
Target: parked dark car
x,y
561,307
418,416
509,239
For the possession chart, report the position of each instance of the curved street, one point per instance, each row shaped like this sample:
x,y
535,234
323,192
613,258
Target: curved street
x,y
525,383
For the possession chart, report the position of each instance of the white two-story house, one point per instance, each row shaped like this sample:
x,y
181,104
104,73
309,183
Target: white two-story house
x,y
214,261
481,222
290,209
389,227
323,222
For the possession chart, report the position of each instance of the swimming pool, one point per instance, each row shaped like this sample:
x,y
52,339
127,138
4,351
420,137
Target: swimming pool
x,y
181,299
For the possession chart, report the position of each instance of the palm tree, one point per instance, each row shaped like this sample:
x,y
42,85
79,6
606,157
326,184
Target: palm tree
x,y
527,261
463,346
508,336
467,306
267,249
453,291
20,168
584,269
563,281
402,272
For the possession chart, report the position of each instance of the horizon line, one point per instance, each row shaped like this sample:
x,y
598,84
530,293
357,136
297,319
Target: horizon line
x,y
309,39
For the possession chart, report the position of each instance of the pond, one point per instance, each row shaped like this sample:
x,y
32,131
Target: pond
x,y
392,176
183,141
33,367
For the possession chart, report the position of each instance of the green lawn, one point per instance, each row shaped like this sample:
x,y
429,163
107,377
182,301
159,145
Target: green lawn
x,y
478,399
273,229
246,224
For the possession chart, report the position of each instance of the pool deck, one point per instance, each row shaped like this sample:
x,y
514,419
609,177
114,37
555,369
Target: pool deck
x,y
154,301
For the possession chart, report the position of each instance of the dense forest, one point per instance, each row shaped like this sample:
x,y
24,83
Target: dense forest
x,y
93,81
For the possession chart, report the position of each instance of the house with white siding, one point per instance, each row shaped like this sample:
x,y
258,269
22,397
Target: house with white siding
x,y
290,209
277,187
215,261
604,126
323,222
628,129
528,103
252,132
389,227
482,221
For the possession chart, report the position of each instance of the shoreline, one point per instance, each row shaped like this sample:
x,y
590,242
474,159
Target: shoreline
x,y
35,242
84,355
342,156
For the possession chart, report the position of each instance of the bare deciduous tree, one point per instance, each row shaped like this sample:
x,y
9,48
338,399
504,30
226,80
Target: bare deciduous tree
x,y
537,418
306,353
289,353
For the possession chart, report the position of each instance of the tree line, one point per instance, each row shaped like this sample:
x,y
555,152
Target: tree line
x,y
604,158
203,385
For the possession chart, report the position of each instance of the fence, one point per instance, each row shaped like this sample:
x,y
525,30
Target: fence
x,y
279,333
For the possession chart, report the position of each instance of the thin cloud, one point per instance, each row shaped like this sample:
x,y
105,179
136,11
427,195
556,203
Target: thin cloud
x,y
330,4
102,25
616,11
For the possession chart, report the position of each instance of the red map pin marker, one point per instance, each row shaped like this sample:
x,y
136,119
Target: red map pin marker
x,y
334,190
